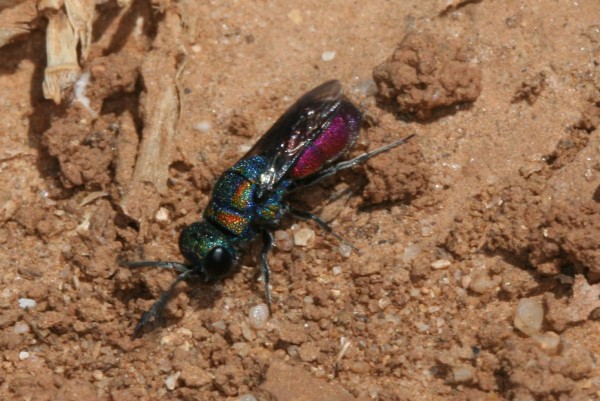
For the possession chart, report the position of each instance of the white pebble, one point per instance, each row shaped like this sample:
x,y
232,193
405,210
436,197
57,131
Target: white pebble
x,y
328,56
27,303
411,251
21,328
247,397
171,381
203,126
529,316
462,374
336,270
366,87
162,215
303,236
258,315
345,250
440,264
97,375
23,355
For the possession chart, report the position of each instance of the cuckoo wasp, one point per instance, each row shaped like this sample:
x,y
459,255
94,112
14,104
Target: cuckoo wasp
x,y
249,199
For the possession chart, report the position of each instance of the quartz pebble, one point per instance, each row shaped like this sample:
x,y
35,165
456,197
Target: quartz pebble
x,y
549,342
411,251
328,56
258,315
303,236
203,126
247,397
462,374
162,215
23,355
529,316
171,381
21,328
27,303
345,250
482,283
440,264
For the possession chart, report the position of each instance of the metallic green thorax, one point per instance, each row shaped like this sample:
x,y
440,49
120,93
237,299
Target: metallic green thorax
x,y
233,213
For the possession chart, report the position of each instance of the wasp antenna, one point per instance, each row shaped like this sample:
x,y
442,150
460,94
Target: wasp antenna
x,y
155,312
180,267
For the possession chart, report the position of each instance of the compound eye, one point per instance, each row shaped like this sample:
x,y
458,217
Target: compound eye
x,y
217,262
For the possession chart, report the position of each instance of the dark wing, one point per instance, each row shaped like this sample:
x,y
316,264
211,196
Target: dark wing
x,y
296,129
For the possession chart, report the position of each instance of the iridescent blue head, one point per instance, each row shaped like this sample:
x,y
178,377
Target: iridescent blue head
x,y
207,249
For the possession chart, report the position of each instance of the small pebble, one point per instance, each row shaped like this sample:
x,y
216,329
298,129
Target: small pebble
x,y
411,251
384,303
162,215
292,351
529,316
303,236
482,283
171,381
203,126
247,397
440,264
366,87
242,349
219,325
422,327
548,341
283,240
462,374
247,332
21,328
345,250
258,315
27,303
336,270
97,375
23,355
328,56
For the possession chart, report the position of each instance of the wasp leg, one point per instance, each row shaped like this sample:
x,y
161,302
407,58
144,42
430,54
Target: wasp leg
x,y
348,163
155,312
264,264
309,216
180,267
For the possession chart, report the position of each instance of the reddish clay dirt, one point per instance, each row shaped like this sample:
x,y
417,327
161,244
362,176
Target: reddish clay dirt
x,y
494,205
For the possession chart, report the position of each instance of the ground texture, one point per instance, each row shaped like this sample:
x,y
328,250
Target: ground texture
x,y
479,239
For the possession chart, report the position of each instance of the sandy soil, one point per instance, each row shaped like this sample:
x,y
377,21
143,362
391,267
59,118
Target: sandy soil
x,y
480,238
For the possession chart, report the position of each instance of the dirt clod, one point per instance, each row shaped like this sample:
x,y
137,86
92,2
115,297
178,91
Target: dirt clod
x,y
427,72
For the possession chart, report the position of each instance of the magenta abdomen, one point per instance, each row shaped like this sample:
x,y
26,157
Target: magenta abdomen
x,y
331,144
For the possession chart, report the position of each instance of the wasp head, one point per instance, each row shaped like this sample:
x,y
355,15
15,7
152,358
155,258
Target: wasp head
x,y
208,249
